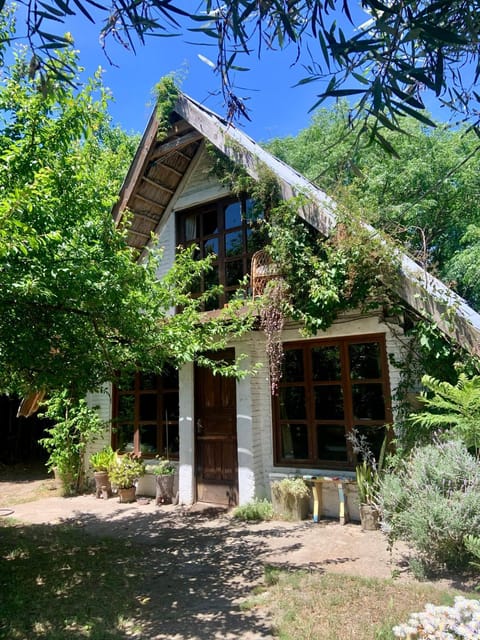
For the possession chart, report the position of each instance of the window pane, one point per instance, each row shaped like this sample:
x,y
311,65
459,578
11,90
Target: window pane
x,y
374,439
210,223
126,407
170,377
365,360
190,227
148,406
233,244
233,215
329,402
211,277
292,365
233,272
255,240
170,406
253,213
292,403
148,381
171,441
295,441
331,442
210,246
125,437
368,402
326,363
148,438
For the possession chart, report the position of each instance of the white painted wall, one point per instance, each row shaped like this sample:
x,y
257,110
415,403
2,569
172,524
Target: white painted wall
x,y
186,481
103,400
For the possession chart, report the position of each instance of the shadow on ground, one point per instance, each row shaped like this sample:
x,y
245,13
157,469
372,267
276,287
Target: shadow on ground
x,y
196,569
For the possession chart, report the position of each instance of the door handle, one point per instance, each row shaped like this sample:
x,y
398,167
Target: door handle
x,y
200,426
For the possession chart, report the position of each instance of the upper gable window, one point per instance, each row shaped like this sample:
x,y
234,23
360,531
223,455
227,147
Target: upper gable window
x,y
228,229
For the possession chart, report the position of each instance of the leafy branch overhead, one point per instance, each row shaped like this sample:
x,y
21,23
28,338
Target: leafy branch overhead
x,y
385,55
76,305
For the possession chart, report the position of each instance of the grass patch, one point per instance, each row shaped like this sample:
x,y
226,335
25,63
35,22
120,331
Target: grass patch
x,y
308,606
59,583
254,511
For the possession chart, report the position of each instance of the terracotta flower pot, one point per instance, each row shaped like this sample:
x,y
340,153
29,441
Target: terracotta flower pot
x,y
126,495
103,487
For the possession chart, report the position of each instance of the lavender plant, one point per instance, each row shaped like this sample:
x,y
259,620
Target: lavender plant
x,y
432,501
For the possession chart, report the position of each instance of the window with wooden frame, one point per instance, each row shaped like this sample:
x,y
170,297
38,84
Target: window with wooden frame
x,y
145,415
228,229
329,388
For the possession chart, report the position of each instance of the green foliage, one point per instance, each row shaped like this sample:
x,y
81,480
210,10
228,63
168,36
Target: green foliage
x,y
429,206
163,467
290,487
167,93
452,410
75,425
367,483
472,545
254,511
126,470
431,500
385,56
102,460
326,277
77,306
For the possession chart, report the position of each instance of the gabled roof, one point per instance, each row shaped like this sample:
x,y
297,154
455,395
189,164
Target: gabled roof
x,y
161,168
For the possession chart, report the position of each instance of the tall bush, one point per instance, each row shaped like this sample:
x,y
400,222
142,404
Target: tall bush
x,y
75,424
432,501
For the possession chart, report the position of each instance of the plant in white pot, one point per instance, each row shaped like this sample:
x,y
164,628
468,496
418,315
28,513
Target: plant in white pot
x,y
124,473
164,470
101,462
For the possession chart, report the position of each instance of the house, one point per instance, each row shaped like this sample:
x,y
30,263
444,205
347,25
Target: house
x,y
231,438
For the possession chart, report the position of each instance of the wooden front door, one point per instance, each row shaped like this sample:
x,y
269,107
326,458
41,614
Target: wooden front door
x,y
216,435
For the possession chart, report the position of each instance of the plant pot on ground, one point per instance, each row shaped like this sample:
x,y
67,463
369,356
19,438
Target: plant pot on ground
x,y
367,487
164,472
124,473
102,461
290,498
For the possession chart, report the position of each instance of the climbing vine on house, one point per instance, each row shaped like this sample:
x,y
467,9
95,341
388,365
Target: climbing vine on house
x,y
318,278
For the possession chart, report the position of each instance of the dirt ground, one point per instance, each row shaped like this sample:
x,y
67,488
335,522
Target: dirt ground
x,y
203,562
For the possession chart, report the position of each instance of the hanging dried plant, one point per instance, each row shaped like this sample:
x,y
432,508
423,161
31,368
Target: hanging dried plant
x,y
272,320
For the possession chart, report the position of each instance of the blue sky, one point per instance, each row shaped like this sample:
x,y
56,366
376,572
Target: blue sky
x,y
276,109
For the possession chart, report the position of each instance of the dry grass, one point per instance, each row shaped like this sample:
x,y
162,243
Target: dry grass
x,y
313,606
57,583
20,491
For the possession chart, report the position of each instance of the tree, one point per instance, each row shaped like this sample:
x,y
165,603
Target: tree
x,y
77,308
385,54
427,197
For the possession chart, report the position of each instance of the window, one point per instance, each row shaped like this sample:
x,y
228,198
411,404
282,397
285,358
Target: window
x,y
327,389
227,229
145,415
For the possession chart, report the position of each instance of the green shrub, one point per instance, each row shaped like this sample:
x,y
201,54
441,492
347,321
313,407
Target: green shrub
x,y
254,510
432,501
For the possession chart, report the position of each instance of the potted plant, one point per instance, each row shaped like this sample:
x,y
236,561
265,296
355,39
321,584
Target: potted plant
x,y
102,461
367,487
164,470
291,498
123,474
